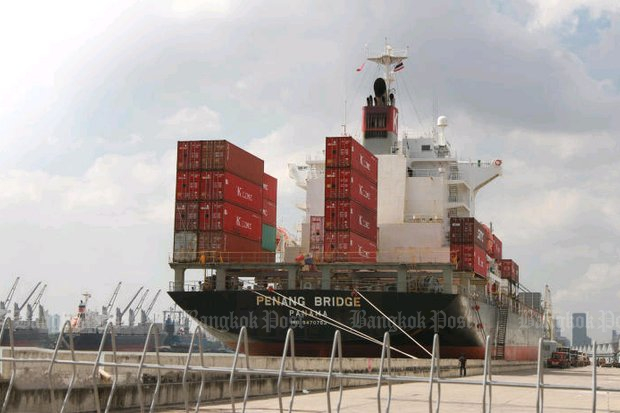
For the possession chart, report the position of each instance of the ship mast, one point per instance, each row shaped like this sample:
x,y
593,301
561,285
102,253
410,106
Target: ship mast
x,y
380,115
389,59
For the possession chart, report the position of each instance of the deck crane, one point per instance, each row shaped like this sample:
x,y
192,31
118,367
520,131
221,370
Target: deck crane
x,y
106,310
144,314
4,305
30,309
134,311
120,314
17,308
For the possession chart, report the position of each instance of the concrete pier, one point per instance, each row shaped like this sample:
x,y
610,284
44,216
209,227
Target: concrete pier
x,y
463,398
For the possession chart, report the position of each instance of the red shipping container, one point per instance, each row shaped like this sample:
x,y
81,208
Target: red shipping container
x,y
224,186
481,265
349,215
182,190
216,216
221,246
269,212
488,239
347,246
509,270
341,183
270,188
195,155
497,248
467,230
182,155
469,258
346,152
188,186
222,155
186,216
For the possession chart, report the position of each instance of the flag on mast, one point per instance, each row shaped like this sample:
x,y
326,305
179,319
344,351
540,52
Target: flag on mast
x,y
359,69
399,67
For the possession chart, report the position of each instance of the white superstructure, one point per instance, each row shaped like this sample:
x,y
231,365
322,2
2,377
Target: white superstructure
x,y
421,183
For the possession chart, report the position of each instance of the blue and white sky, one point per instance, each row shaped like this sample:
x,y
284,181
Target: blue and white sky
x,y
94,96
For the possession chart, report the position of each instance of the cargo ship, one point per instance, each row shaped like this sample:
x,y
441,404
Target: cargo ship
x,y
27,331
88,326
389,242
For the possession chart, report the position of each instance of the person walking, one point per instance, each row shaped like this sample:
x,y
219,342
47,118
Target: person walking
x,y
462,368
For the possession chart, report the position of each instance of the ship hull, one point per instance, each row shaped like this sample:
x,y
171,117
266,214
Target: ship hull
x,y
91,341
461,323
26,337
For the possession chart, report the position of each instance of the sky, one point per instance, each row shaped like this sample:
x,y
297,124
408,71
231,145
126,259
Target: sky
x,y
94,96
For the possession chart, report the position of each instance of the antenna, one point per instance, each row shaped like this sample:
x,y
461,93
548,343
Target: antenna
x,y
344,125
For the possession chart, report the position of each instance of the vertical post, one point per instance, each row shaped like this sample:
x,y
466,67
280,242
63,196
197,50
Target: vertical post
x,y
292,278
401,279
447,280
326,280
220,279
594,376
179,278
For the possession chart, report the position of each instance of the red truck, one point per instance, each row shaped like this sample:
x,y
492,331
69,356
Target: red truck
x,y
559,360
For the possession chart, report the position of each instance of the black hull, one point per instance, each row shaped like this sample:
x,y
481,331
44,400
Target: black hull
x,y
27,337
124,342
461,324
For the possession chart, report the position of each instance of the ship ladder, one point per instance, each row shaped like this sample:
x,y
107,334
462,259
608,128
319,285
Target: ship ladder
x,y
501,332
480,323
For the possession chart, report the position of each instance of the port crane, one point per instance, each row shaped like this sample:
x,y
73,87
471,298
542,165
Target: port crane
x,y
120,314
106,310
134,311
4,305
17,308
548,324
144,314
30,309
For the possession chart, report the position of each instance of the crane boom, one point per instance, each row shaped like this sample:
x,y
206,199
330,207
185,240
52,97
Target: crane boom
x,y
148,310
38,299
108,307
141,301
120,314
11,293
29,296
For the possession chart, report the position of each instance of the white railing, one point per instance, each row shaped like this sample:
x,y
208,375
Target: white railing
x,y
383,377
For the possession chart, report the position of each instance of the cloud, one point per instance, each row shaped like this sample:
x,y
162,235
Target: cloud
x,y
552,13
115,191
193,122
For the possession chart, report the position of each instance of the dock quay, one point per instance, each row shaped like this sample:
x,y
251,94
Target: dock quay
x,y
63,380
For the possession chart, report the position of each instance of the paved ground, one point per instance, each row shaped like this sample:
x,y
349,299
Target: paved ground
x,y
460,397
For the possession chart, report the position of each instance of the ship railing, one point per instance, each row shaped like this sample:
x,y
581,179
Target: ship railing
x,y
149,371
424,173
220,257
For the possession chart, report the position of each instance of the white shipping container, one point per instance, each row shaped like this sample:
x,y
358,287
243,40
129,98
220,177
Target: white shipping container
x,y
185,246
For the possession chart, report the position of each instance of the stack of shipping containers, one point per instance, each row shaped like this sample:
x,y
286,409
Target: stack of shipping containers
x,y
470,242
509,270
350,221
270,196
219,203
